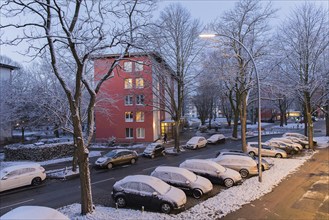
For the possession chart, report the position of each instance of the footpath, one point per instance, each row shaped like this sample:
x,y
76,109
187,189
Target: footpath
x,y
303,195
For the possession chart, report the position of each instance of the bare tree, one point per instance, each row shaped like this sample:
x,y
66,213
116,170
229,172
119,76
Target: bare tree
x,y
247,22
304,37
176,38
71,32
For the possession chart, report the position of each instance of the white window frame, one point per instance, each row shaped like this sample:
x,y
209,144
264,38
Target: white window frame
x,y
129,100
128,66
131,133
129,117
140,133
140,116
139,66
139,83
140,101
128,83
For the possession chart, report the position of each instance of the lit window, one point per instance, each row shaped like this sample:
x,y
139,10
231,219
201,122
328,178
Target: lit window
x,y
139,66
129,116
139,83
129,100
127,66
139,116
140,99
129,133
128,83
140,132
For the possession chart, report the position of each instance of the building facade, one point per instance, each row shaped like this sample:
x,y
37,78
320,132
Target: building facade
x,y
131,104
6,73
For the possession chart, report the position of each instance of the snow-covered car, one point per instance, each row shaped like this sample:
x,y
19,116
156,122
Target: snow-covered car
x,y
252,149
196,142
34,212
148,191
297,140
287,147
154,149
117,157
288,141
184,179
21,175
216,138
212,171
265,164
300,136
243,164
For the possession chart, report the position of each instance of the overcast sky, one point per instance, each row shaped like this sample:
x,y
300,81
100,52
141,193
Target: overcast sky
x,y
206,11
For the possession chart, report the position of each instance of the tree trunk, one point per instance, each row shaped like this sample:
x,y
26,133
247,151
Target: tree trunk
x,y
327,119
309,119
23,134
177,138
243,119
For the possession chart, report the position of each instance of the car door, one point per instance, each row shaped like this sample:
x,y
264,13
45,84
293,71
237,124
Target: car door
x,y
147,196
10,181
26,175
180,181
268,151
157,150
132,192
123,157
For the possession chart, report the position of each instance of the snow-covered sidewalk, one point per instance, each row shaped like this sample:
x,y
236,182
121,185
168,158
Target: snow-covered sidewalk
x,y
227,201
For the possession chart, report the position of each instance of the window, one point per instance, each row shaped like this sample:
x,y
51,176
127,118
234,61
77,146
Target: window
x,y
139,66
140,132
129,133
129,116
146,188
127,66
139,116
140,99
128,83
139,83
129,100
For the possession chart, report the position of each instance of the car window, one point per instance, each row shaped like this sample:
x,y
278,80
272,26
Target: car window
x,y
13,174
146,188
111,154
133,186
165,176
178,177
26,170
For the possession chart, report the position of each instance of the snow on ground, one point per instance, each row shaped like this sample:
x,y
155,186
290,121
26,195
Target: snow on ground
x,y
218,206
228,200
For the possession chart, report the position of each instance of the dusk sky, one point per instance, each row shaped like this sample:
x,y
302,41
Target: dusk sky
x,y
206,11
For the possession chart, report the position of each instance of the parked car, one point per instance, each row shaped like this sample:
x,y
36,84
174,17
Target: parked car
x,y
243,164
252,149
154,149
21,175
265,164
117,157
297,140
300,136
289,142
33,212
212,171
183,179
216,138
288,148
148,191
196,142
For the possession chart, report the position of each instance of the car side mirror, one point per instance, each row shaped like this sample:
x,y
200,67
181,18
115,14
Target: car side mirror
x,y
187,182
217,171
154,194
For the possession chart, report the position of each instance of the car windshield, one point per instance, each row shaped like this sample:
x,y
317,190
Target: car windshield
x,y
194,139
162,187
111,154
150,147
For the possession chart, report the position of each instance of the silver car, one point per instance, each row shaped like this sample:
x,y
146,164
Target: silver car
x,y
196,142
252,149
183,179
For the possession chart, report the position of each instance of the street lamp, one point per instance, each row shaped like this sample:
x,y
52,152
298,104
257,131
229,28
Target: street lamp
x,y
259,106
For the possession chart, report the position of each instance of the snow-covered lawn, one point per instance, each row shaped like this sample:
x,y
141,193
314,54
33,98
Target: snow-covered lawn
x,y
226,201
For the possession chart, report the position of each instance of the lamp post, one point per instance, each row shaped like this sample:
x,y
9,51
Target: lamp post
x,y
259,102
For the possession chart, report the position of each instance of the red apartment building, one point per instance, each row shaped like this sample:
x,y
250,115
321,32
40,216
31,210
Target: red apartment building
x,y
130,105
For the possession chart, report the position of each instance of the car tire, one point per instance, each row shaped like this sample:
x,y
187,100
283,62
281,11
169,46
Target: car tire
x,y
165,208
307,146
278,155
120,201
36,181
252,154
132,161
152,156
228,182
197,193
109,166
244,173
263,168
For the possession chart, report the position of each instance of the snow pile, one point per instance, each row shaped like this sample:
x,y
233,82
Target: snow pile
x,y
218,206
322,142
